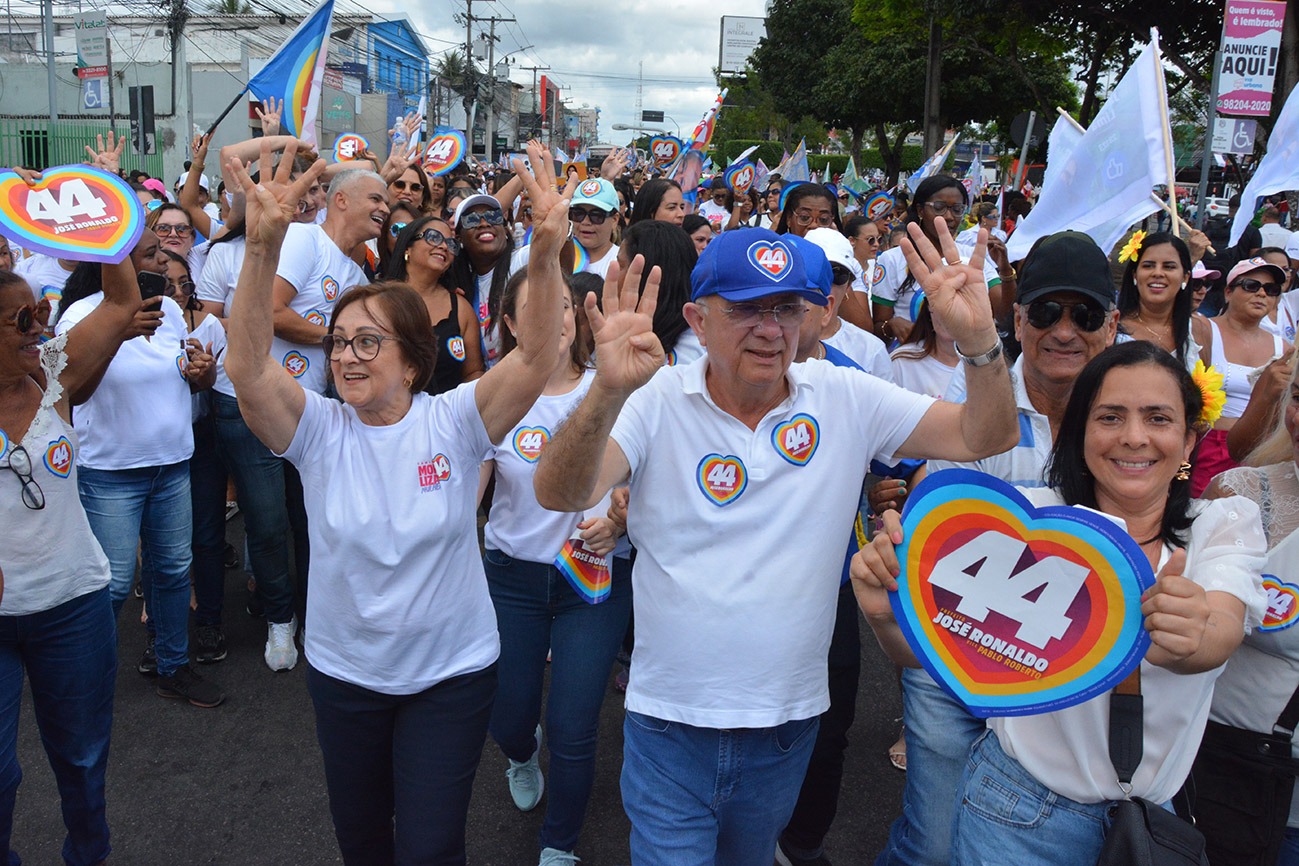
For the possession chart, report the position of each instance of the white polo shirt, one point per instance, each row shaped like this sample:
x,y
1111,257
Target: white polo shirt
x,y
320,272
739,537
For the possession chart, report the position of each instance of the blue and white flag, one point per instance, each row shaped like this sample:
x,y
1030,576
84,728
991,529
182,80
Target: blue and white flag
x,y
933,165
1278,170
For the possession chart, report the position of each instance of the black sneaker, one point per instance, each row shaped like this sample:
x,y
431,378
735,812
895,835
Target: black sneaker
x,y
785,858
253,605
186,684
210,644
149,660
230,557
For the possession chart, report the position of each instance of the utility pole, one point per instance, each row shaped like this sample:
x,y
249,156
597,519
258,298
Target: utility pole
x,y
1206,157
49,62
933,83
489,142
536,104
470,84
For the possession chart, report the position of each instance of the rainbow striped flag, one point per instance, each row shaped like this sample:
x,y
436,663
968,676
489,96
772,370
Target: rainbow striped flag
x,y
590,575
294,73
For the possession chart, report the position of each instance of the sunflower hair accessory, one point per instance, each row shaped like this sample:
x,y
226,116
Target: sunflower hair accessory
x,y
1209,381
1132,248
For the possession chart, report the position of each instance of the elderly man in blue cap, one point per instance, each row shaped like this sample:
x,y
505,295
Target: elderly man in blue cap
x,y
735,606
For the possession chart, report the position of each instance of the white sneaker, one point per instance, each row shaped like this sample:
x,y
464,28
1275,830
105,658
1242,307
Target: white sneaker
x,y
555,857
281,653
526,783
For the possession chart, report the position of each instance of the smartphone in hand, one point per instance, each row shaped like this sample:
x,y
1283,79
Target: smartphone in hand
x,y
152,285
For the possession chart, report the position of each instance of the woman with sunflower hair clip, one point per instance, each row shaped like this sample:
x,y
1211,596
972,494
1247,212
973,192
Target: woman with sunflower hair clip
x,y
1155,303
1244,777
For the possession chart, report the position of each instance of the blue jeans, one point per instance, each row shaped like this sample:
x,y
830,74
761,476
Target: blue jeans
x,y
940,733
207,486
69,654
536,612
707,797
1289,848
1007,816
148,509
259,480
403,759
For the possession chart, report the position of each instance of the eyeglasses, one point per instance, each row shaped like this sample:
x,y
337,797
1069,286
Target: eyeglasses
x,y
487,217
20,463
806,218
1272,290
1085,317
459,192
30,315
413,186
941,207
180,231
873,241
747,315
364,346
433,237
395,228
592,215
841,274
184,287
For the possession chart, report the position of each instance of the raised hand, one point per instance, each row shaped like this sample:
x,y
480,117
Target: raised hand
x,y
541,187
200,146
269,113
273,202
614,164
955,291
107,156
629,351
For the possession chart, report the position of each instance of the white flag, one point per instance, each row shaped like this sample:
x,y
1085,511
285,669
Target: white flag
x,y
1277,171
1065,136
1105,183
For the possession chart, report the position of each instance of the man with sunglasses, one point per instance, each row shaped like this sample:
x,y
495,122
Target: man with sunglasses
x,y
1065,315
745,472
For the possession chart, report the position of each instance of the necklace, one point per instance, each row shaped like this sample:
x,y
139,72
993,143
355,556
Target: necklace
x,y
1160,338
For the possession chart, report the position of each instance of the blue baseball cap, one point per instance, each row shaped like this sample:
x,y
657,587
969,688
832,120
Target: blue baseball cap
x,y
753,263
815,264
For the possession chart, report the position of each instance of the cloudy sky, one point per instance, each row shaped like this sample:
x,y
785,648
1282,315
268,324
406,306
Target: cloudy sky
x,y
595,55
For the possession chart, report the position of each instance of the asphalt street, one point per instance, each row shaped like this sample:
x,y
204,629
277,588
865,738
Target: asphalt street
x,y
243,783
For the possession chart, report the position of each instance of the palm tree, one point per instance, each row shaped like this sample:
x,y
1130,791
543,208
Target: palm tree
x,y
230,7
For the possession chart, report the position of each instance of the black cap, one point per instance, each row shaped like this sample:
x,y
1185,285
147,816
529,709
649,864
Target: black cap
x,y
1066,262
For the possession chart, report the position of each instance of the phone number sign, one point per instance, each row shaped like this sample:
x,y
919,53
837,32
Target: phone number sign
x,y
73,212
1014,609
1251,45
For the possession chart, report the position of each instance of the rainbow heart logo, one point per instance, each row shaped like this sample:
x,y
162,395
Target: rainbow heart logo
x,y
73,212
722,478
797,438
296,363
528,442
58,457
4,444
772,259
349,147
878,206
456,347
664,149
1014,609
445,151
1282,604
739,177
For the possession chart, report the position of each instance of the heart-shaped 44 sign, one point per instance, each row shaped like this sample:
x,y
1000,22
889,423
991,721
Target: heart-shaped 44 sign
x,y
73,212
445,151
739,177
1013,609
664,149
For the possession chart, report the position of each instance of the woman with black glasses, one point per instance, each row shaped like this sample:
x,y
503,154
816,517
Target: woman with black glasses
x,y
56,621
422,258
895,295
1236,344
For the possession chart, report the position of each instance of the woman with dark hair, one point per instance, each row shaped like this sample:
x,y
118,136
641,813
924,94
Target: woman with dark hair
x,y
1155,301
412,188
425,252
136,438
699,230
1127,432
539,611
769,218
659,199
378,252
806,206
983,215
402,644
437,195
667,247
925,361
483,266
895,295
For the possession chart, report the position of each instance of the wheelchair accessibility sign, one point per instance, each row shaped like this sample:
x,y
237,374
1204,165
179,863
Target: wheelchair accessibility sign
x,y
94,93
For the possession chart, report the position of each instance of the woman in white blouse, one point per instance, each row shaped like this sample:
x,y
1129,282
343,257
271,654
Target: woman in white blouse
x,y
1037,789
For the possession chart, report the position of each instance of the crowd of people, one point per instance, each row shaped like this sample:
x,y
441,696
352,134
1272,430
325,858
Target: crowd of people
x,y
489,423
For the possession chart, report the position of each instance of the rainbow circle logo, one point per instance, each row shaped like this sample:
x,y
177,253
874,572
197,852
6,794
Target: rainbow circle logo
x,y
73,212
722,478
58,457
797,438
1013,609
1282,604
590,188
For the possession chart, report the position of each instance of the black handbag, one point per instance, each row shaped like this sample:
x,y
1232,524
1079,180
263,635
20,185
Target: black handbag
x,y
1141,833
1240,790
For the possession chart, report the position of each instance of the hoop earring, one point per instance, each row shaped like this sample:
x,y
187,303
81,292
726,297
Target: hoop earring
x,y
407,382
1183,472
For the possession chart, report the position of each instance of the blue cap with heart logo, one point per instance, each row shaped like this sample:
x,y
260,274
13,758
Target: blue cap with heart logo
x,y
748,264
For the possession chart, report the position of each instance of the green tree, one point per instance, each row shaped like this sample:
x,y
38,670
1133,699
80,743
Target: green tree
x,y
230,7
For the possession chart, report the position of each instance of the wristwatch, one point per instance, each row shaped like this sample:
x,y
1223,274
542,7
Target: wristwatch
x,y
981,360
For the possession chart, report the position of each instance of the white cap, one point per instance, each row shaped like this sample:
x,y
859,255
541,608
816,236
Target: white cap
x,y
476,200
1292,246
180,181
834,245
